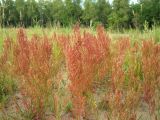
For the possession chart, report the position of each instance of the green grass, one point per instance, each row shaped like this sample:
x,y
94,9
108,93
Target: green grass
x,y
7,88
132,33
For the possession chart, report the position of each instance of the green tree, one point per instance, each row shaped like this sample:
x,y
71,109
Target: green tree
x,y
32,12
48,13
8,13
77,10
58,12
89,12
20,7
150,11
120,14
103,10
11,12
135,14
73,11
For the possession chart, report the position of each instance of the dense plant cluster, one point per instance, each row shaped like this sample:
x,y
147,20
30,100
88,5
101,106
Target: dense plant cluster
x,y
7,85
118,77
34,64
35,68
86,57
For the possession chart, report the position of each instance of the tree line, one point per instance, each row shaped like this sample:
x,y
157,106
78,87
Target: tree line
x,y
117,15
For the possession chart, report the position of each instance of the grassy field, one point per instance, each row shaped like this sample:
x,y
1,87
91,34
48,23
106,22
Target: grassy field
x,y
133,34
79,74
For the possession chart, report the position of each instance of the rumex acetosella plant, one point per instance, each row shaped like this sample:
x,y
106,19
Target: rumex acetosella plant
x,y
93,57
151,75
86,57
35,67
134,79
7,84
125,87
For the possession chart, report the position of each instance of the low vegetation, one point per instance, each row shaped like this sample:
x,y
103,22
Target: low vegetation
x,y
80,75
